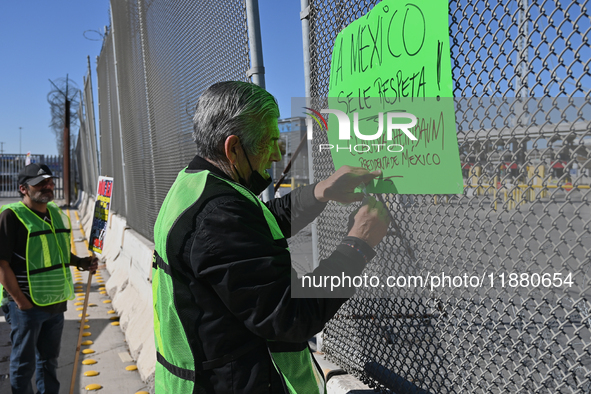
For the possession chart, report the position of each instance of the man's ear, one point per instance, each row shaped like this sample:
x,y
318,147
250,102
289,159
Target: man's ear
x,y
23,189
231,147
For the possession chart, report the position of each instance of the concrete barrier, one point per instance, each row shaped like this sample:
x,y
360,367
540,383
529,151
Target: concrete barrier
x,y
347,384
128,258
85,212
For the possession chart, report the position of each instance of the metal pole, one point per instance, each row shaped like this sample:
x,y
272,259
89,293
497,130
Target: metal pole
x,y
256,73
20,139
84,164
257,68
151,133
305,18
91,128
123,170
66,175
100,130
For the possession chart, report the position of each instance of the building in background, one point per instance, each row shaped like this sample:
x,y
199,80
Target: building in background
x,y
292,130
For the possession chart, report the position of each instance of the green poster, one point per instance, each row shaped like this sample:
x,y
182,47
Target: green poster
x,y
390,104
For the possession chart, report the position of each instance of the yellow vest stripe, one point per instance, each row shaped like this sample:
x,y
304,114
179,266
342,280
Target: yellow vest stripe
x,y
46,253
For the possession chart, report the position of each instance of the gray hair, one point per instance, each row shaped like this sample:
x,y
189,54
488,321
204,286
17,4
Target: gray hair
x,y
232,108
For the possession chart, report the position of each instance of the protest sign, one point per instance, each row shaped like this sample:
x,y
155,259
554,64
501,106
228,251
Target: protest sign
x,y
390,104
101,214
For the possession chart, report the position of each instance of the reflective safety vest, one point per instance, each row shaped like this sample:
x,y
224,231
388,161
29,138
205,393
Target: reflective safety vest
x,y
47,254
175,368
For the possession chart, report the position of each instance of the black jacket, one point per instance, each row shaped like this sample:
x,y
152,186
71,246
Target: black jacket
x,y
232,284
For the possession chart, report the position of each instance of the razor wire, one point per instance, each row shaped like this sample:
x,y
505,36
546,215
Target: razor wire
x,y
522,89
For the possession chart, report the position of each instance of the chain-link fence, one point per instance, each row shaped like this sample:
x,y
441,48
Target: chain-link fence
x,y
525,210
156,60
110,112
86,149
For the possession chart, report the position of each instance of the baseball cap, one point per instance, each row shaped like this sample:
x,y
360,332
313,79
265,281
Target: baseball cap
x,y
34,173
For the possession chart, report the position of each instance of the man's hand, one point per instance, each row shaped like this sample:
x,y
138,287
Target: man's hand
x,y
8,280
24,304
371,222
340,186
89,263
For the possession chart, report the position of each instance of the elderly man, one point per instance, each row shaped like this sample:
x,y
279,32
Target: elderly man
x,y
34,271
225,320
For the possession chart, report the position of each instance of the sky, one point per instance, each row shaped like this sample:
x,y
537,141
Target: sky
x,y
45,40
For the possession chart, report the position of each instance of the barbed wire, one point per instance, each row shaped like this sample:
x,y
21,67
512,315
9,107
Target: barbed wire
x,y
95,35
60,89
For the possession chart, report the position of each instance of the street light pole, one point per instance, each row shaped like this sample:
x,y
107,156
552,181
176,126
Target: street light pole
x,y
67,154
67,148
257,69
20,140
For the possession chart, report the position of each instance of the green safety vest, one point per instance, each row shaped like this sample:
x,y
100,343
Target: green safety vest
x,y
47,254
298,368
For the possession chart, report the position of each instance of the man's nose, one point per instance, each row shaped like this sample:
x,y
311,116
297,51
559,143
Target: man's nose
x,y
276,156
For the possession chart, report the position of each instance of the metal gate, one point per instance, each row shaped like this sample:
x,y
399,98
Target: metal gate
x,y
12,164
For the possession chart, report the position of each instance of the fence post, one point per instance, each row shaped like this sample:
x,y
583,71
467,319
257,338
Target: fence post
x,y
305,18
257,69
91,131
124,182
67,151
141,15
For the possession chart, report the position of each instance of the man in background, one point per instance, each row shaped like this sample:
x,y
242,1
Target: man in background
x,y
35,275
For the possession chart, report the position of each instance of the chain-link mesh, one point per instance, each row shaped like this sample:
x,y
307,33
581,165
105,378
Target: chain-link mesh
x,y
109,122
137,139
525,209
87,151
167,53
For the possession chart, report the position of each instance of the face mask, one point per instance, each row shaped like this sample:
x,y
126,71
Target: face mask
x,y
256,182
